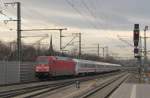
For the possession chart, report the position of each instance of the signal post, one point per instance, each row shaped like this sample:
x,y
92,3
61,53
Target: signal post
x,y
137,47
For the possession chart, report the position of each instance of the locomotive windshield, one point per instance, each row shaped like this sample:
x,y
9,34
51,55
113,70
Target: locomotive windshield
x,y
63,58
42,60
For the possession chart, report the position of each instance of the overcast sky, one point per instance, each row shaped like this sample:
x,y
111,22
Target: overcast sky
x,y
99,21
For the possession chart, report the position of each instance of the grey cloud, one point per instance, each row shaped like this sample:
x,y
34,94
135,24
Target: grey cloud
x,y
109,14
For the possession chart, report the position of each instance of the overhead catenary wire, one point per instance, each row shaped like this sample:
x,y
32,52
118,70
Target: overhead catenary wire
x,y
90,11
81,14
2,5
28,12
3,10
94,16
93,11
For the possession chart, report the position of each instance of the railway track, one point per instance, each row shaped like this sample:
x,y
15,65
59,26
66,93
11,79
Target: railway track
x,y
17,92
104,89
31,91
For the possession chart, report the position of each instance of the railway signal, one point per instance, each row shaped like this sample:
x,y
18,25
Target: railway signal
x,y
136,37
136,50
136,34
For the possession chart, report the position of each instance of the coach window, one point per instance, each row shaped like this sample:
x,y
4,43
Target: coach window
x,y
91,65
82,65
86,65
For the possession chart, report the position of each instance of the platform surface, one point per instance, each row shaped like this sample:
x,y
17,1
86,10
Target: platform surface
x,y
132,89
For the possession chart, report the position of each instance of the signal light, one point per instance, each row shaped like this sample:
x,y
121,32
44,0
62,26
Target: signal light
x,y
136,26
136,33
136,43
136,50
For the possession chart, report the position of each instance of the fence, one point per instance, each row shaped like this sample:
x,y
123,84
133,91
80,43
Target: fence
x,y
15,72
27,72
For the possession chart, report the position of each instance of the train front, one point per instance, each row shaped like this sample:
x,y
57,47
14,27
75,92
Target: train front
x,y
42,68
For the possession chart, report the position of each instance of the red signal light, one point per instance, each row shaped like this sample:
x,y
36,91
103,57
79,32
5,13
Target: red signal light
x,y
136,34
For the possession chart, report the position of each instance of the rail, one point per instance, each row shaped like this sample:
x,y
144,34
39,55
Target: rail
x,y
32,91
104,89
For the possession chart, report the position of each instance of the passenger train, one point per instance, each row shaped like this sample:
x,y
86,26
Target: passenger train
x,y
52,66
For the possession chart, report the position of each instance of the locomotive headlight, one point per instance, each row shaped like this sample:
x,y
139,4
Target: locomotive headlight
x,y
46,68
42,68
37,68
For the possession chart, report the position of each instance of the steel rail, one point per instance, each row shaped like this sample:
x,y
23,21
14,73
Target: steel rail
x,y
51,86
101,87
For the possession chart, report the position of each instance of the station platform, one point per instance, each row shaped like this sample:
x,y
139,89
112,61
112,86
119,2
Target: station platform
x,y
132,88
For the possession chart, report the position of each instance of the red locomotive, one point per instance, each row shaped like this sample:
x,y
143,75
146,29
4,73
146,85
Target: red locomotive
x,y
51,66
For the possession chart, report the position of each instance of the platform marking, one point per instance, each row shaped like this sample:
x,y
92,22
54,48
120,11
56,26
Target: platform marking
x,y
133,92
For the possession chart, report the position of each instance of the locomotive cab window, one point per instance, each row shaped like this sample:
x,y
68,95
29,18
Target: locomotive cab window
x,y
42,60
63,58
